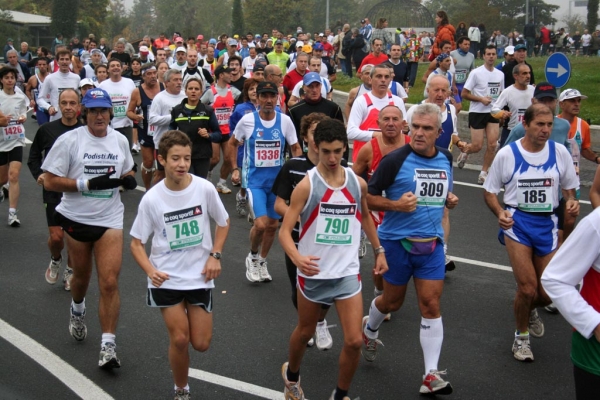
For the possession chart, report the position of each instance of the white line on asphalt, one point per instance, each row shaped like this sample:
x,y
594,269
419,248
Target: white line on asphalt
x,y
141,189
236,385
481,263
73,379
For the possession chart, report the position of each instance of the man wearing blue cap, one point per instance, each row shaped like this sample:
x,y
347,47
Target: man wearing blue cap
x,y
88,165
519,58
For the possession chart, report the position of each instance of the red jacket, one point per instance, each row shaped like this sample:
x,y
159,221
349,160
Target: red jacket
x,y
545,33
445,32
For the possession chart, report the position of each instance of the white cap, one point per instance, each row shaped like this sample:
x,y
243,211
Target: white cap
x,y
180,48
571,94
87,81
510,50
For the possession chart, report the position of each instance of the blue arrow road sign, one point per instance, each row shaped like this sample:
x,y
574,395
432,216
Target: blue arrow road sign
x,y
558,69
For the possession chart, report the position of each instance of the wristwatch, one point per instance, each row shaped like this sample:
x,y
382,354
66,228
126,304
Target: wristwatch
x,y
216,255
379,250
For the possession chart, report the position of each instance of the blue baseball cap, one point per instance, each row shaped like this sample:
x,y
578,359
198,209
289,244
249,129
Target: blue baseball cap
x,y
310,78
317,46
96,98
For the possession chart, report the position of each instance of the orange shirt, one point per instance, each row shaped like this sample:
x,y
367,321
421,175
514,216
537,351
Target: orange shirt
x,y
586,137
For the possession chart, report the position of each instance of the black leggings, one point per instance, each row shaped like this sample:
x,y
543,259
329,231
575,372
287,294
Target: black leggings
x,y
200,167
587,385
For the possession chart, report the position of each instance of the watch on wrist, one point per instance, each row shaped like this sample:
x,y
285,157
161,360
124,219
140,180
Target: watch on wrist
x,y
216,255
379,250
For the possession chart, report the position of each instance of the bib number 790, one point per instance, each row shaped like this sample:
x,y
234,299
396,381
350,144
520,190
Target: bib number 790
x,y
337,225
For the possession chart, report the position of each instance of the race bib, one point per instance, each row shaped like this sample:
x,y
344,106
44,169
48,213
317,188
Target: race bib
x,y
535,195
334,224
93,171
461,75
432,187
120,109
267,153
151,130
183,228
13,131
520,115
494,90
223,114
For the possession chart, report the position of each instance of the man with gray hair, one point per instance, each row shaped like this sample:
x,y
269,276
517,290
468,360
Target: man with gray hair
x,y
23,73
417,181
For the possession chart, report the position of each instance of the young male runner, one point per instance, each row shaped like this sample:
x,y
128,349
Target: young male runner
x,y
184,261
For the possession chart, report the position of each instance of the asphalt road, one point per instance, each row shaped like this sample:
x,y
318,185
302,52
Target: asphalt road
x,y
253,322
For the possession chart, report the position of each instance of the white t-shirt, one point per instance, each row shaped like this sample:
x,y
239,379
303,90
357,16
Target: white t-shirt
x,y
586,39
78,154
53,85
360,111
484,83
517,102
502,172
159,116
248,66
180,225
325,88
399,89
120,94
13,135
322,72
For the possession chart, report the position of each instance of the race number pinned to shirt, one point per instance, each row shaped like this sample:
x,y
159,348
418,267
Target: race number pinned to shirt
x,y
334,224
183,227
520,115
535,195
13,131
432,187
93,171
120,108
223,114
267,153
494,90
461,75
151,130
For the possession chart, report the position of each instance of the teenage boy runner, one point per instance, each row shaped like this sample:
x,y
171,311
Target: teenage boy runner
x,y
329,202
184,261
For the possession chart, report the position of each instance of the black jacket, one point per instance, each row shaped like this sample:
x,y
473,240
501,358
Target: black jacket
x,y
189,121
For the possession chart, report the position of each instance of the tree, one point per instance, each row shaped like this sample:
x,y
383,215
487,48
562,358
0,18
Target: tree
x,y
117,20
92,17
237,17
573,23
64,17
592,16
141,18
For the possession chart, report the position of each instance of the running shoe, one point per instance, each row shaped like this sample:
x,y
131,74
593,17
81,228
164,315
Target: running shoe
x,y
135,149
536,325
482,177
292,390
263,272
362,250
433,383
77,326
108,357
52,271
13,220
311,342
450,266
222,188
551,308
240,204
323,337
182,394
5,190
462,159
521,348
369,350
67,276
252,273
332,397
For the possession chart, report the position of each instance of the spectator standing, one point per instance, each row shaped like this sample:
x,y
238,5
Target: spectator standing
x,y
474,36
445,31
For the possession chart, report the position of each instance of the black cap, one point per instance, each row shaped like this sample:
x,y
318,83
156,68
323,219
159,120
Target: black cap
x,y
278,41
267,87
220,70
259,66
544,89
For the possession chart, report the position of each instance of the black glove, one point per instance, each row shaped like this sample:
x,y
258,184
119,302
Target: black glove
x,y
129,182
104,182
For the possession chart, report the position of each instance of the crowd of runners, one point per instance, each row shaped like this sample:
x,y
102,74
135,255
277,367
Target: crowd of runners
x,y
331,179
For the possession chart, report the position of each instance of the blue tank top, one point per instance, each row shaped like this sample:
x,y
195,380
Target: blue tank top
x,y
263,154
447,128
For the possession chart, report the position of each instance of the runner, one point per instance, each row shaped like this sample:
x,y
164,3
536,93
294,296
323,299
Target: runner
x,y
364,87
532,172
139,105
331,204
56,83
32,90
265,134
482,88
81,164
44,139
417,180
13,105
184,262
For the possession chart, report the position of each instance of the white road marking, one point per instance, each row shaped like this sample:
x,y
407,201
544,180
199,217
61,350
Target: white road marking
x,y
481,263
73,379
141,189
27,141
240,386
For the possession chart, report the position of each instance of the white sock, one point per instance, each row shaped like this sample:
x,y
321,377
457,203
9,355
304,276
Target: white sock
x,y
222,181
108,338
261,259
445,249
324,322
78,308
375,320
187,387
432,336
12,210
